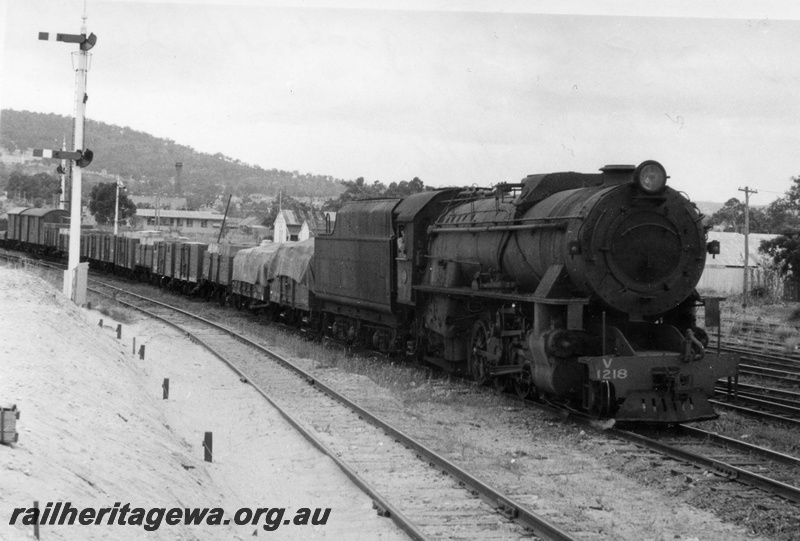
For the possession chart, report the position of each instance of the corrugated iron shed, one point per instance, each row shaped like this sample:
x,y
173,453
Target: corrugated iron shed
x,y
732,249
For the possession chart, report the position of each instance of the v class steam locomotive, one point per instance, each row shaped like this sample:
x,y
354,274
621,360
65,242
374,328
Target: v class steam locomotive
x,y
580,286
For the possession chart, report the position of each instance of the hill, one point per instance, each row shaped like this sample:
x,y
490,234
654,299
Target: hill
x,y
147,163
708,207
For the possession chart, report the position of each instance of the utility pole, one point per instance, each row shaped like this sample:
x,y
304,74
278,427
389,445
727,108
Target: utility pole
x,y
747,191
116,206
224,218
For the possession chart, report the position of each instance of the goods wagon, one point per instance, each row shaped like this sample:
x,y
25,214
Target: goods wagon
x,y
275,276
190,262
27,226
217,271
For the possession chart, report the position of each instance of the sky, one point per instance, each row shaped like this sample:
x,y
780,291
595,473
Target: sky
x,y
469,92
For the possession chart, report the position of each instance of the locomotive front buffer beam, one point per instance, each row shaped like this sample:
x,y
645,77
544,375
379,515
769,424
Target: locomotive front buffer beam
x,y
659,388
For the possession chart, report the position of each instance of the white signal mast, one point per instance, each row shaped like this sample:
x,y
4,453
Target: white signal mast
x,y
75,280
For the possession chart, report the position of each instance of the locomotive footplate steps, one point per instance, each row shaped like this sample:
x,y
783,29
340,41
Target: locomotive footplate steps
x,y
661,388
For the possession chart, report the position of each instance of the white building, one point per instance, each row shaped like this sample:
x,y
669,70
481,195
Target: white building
x,y
301,225
724,273
189,221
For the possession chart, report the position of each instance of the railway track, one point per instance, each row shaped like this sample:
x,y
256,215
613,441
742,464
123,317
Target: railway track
x,y
779,368
752,466
768,382
694,452
781,372
762,347
780,405
426,495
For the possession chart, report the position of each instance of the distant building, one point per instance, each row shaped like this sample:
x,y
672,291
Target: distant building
x,y
249,222
156,201
189,221
252,226
724,273
262,198
301,225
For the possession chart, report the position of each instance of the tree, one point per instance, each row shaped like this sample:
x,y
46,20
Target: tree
x,y
38,189
793,193
731,218
102,203
359,189
784,217
286,202
781,215
404,188
784,251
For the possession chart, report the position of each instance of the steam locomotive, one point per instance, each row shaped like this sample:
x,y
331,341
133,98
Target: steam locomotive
x,y
578,287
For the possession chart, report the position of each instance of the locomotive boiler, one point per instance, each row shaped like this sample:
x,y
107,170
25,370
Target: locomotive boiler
x,y
578,286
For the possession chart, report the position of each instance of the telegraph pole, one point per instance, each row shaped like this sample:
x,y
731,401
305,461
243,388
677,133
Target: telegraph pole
x,y
116,206
747,191
75,288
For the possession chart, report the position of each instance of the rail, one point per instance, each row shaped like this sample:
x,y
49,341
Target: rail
x,y
503,504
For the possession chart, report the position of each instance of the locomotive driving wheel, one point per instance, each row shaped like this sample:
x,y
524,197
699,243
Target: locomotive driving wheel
x,y
523,383
501,383
415,346
484,351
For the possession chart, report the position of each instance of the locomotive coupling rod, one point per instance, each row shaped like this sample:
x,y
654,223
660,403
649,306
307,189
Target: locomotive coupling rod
x,y
557,225
505,370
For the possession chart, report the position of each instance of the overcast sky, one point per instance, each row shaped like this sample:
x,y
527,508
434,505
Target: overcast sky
x,y
456,93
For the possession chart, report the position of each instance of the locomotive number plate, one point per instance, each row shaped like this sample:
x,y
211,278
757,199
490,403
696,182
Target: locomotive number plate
x,y
609,372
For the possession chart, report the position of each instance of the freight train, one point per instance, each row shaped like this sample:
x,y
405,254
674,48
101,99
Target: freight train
x,y
576,287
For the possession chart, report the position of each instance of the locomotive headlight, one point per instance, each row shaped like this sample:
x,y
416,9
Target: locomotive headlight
x,y
650,177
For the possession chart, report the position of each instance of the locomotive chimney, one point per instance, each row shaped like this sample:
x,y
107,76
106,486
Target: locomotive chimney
x,y
178,186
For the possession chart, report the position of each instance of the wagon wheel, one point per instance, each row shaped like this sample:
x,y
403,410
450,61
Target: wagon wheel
x,y
478,359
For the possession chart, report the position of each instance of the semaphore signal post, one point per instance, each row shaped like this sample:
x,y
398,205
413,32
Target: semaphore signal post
x,y
75,275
